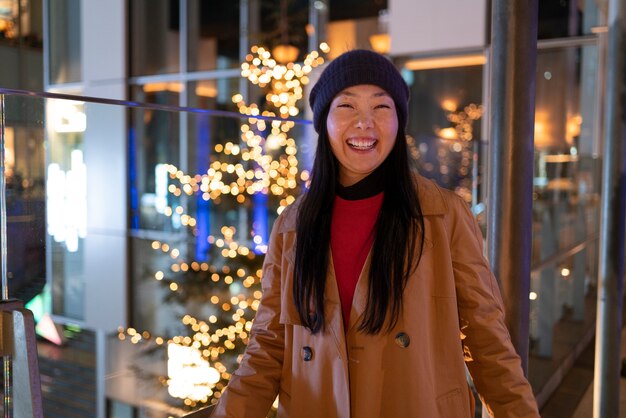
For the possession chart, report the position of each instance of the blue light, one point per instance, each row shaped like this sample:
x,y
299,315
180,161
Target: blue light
x,y
203,207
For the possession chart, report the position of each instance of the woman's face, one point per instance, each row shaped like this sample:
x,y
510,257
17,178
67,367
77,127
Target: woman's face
x,y
362,126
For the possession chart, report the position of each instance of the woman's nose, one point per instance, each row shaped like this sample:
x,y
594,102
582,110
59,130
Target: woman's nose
x,y
364,120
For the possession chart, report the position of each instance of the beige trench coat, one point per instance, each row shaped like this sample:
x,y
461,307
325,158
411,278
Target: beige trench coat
x,y
452,315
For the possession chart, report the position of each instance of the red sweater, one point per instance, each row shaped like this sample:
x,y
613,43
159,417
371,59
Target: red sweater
x,y
351,238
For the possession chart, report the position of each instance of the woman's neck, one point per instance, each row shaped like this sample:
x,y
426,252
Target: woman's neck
x,y
369,186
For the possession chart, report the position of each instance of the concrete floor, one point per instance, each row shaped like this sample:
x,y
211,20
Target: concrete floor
x,y
574,398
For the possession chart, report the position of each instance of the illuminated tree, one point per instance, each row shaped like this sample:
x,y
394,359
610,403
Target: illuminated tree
x,y
259,168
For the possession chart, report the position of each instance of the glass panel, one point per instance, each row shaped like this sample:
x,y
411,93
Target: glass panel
x,y
154,37
65,41
283,23
213,35
445,113
565,18
25,193
21,44
154,142
66,205
355,9
203,274
214,94
566,207
357,25
9,19
21,22
566,142
195,273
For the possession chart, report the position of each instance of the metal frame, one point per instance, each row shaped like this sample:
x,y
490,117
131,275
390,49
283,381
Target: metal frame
x,y
606,393
511,158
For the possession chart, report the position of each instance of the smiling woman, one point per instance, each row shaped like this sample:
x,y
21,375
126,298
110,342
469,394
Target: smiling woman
x,y
374,281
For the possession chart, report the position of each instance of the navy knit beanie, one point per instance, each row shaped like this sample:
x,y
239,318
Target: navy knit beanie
x,y
359,67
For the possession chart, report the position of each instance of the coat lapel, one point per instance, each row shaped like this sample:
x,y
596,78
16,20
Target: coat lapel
x,y
359,300
333,313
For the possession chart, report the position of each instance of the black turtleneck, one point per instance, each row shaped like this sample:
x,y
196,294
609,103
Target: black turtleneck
x,y
369,186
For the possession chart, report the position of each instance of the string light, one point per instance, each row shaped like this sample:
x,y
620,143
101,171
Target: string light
x,y
263,160
285,81
454,154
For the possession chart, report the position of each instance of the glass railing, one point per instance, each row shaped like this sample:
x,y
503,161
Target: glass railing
x,y
136,235
448,125
566,210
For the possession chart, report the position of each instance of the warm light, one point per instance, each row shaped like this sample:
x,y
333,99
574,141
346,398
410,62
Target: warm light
x,y
449,105
560,158
572,128
190,376
284,53
67,116
381,42
158,87
448,133
445,62
565,272
532,296
206,88
543,129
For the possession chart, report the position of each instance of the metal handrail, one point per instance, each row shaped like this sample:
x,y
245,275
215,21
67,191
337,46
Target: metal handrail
x,y
143,105
564,254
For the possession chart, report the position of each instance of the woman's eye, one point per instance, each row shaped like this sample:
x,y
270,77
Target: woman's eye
x,y
383,106
347,105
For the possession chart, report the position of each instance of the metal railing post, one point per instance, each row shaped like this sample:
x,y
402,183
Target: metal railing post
x,y
511,154
611,257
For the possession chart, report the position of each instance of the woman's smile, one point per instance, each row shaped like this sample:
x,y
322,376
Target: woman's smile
x,y
362,143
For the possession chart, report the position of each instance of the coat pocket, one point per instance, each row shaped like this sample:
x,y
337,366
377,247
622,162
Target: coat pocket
x,y
453,404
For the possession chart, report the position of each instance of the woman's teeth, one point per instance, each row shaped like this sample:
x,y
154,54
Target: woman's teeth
x,y
361,144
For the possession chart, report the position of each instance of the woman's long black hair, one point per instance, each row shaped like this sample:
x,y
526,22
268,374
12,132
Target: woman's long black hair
x,y
399,232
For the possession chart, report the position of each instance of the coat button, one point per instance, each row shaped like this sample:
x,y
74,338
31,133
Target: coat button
x,y
403,340
307,353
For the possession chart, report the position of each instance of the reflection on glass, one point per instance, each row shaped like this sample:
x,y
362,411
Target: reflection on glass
x,y
213,35
65,41
154,37
66,203
25,191
9,18
444,123
283,28
20,23
561,19
565,208
207,276
204,223
213,94
156,134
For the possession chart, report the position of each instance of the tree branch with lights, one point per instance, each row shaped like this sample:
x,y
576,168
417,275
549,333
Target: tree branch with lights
x,y
263,161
